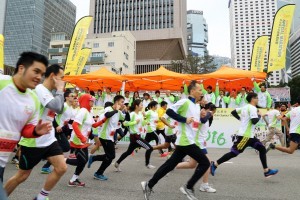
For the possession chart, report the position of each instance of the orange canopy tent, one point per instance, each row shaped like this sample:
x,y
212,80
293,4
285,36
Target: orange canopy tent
x,y
230,78
102,78
161,79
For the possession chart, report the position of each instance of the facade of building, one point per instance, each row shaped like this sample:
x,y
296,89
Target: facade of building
x,y
158,26
250,19
295,53
116,52
197,33
2,15
29,24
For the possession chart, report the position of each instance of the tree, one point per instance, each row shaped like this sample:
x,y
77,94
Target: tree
x,y
194,65
294,85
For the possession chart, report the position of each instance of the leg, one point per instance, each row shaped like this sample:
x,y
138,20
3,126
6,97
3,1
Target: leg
x,y
1,175
82,158
97,145
290,150
206,175
141,142
187,165
281,137
270,136
16,180
256,144
168,166
110,154
129,151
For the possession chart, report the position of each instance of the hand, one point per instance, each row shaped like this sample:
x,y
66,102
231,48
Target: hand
x,y
59,129
189,120
43,128
172,127
59,84
252,79
217,83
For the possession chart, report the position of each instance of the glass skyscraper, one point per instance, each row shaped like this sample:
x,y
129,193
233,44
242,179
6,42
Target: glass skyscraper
x,y
29,24
197,37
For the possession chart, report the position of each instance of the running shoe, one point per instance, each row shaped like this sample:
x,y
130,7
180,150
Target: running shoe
x,y
90,161
76,183
72,156
207,188
149,166
14,161
100,177
270,173
45,199
164,154
188,192
146,190
271,146
46,170
117,166
213,168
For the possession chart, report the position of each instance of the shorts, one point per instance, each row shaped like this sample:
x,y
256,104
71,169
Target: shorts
x,y
240,143
31,156
171,139
295,137
204,151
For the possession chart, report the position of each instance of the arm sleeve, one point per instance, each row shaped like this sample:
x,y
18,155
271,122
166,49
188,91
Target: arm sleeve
x,y
213,99
57,103
78,133
132,120
28,131
269,100
185,89
210,121
254,116
238,99
171,113
202,88
226,99
255,120
235,114
110,114
217,91
256,87
99,123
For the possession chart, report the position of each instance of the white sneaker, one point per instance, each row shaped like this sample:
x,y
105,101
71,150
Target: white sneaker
x,y
207,188
149,166
117,166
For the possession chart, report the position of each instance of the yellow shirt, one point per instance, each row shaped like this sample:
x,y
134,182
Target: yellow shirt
x,y
160,125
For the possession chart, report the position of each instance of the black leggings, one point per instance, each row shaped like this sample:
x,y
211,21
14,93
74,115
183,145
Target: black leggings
x,y
136,141
107,158
240,144
180,152
82,156
153,136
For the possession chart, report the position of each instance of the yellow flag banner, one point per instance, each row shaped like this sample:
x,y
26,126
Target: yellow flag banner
x,y
77,41
258,53
83,57
280,37
1,54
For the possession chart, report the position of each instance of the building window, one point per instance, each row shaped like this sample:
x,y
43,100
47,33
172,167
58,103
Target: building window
x,y
98,54
124,65
111,44
126,55
96,45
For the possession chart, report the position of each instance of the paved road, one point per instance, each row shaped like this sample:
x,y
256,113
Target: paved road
x,y
240,180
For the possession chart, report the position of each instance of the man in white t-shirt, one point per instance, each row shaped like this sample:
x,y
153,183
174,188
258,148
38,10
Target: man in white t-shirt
x,y
294,116
46,146
249,117
20,107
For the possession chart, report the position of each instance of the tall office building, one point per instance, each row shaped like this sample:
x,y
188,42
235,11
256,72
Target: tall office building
x,y
2,15
29,23
295,53
250,19
197,36
158,26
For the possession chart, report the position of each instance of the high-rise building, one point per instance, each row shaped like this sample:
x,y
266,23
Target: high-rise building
x,y
29,23
197,36
295,53
250,19
2,15
158,26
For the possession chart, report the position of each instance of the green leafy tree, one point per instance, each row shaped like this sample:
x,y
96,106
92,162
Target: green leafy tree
x,y
294,85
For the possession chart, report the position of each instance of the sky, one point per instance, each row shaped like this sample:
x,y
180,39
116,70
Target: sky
x,y
215,12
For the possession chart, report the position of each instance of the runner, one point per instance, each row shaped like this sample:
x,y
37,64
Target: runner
x,y
82,126
160,128
135,128
157,97
112,114
241,100
46,146
20,107
187,113
294,116
249,116
201,136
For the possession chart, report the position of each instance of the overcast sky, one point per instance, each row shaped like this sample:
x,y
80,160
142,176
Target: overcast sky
x,y
217,17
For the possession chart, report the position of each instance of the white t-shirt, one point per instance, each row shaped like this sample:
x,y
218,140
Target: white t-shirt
x,y
16,110
232,103
247,113
202,134
47,115
108,98
262,99
146,103
172,122
152,119
170,103
65,116
220,103
272,118
294,115
187,132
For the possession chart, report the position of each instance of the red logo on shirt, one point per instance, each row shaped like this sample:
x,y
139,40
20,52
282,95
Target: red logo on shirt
x,y
51,114
7,145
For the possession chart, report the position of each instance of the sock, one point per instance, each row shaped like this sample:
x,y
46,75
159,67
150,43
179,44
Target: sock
x,y
204,184
74,177
43,195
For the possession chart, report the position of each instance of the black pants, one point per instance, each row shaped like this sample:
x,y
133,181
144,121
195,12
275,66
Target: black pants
x,y
153,136
120,132
240,144
1,174
82,156
107,158
162,132
137,141
180,152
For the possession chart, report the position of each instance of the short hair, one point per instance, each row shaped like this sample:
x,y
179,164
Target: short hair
x,y
146,94
152,104
126,92
92,93
157,92
277,105
210,106
209,87
135,103
118,97
28,58
163,103
67,93
53,69
192,86
244,88
108,104
250,96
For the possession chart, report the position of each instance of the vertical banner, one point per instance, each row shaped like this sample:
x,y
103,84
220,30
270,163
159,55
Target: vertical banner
x,y
77,41
1,54
83,57
280,37
258,53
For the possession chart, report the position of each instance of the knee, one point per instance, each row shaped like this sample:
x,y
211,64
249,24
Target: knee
x,y
61,169
150,149
111,157
22,176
